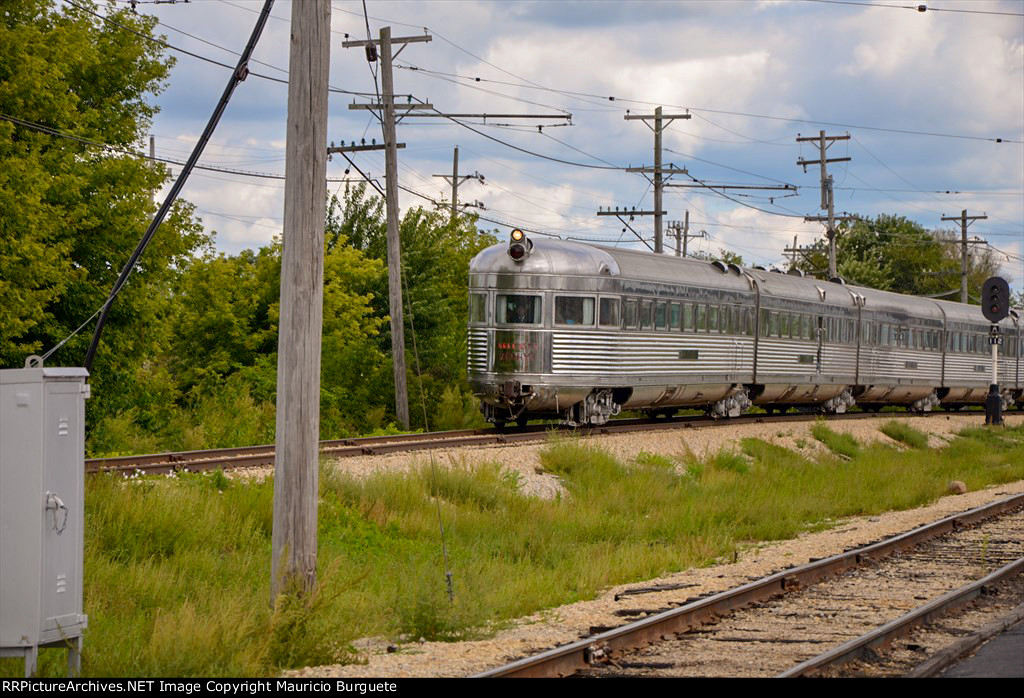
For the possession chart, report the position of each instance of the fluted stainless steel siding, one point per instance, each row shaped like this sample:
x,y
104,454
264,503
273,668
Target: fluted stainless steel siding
x,y
476,354
624,354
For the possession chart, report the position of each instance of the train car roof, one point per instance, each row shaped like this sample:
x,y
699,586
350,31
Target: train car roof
x,y
800,288
971,314
566,258
547,257
898,304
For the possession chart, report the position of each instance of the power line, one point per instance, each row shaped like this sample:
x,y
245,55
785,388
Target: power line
x,y
917,8
786,119
212,61
118,150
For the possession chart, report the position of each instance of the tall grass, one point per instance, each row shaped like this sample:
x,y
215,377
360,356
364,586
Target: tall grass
x,y
178,570
841,444
904,433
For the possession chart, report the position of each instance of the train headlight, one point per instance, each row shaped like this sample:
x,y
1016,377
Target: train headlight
x,y
519,246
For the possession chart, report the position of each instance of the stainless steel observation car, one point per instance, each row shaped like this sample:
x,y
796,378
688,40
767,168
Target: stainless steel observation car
x,y
577,332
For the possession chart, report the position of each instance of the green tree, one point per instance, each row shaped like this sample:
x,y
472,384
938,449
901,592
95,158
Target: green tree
x,y
72,211
435,274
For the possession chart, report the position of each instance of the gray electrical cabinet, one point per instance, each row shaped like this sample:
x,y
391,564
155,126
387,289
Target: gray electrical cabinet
x,y
42,481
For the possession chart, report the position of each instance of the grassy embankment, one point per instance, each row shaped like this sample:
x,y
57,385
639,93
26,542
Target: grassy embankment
x,y
177,569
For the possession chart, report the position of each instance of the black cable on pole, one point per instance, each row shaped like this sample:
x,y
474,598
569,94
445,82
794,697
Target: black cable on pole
x,y
239,74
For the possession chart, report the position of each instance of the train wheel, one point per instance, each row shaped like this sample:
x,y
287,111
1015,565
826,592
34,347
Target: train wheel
x,y
522,421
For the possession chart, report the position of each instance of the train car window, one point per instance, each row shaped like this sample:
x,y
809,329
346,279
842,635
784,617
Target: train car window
x,y
478,307
701,318
805,326
646,314
712,318
675,316
610,312
773,324
727,324
688,317
630,314
574,310
518,310
661,315
784,323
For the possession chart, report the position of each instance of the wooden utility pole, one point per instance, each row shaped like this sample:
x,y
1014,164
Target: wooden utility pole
x,y
965,221
387,109
394,243
294,538
631,213
660,124
682,234
827,200
455,180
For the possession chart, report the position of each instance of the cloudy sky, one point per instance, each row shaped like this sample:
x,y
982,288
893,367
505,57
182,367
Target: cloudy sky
x,y
923,96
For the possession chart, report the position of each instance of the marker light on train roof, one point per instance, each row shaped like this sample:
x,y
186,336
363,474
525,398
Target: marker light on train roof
x,y
520,246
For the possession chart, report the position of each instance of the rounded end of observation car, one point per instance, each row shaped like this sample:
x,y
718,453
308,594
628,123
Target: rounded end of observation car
x,y
523,255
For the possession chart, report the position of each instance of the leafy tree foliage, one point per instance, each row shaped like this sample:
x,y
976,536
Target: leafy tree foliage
x,y
893,253
435,274
71,211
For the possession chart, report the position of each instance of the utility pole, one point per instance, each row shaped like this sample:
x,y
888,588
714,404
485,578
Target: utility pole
x,y
827,201
659,126
682,234
455,180
294,539
965,221
387,109
631,213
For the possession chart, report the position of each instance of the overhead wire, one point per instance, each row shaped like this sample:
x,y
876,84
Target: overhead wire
x,y
739,113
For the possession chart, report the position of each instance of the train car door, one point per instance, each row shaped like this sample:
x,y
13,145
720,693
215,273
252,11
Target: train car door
x,y
820,331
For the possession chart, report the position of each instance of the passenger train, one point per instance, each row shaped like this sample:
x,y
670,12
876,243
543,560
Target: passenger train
x,y
576,332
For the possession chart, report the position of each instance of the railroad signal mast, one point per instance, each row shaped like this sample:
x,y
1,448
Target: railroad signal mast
x,y
995,306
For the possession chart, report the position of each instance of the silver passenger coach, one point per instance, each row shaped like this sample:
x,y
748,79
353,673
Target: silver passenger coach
x,y
578,332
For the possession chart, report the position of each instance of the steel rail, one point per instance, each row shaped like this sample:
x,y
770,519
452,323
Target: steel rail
x,y
568,659
254,456
883,635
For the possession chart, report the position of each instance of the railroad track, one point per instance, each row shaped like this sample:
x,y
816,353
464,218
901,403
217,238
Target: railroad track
x,y
812,618
255,456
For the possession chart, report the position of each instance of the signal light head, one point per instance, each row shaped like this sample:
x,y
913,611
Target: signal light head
x,y
995,295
